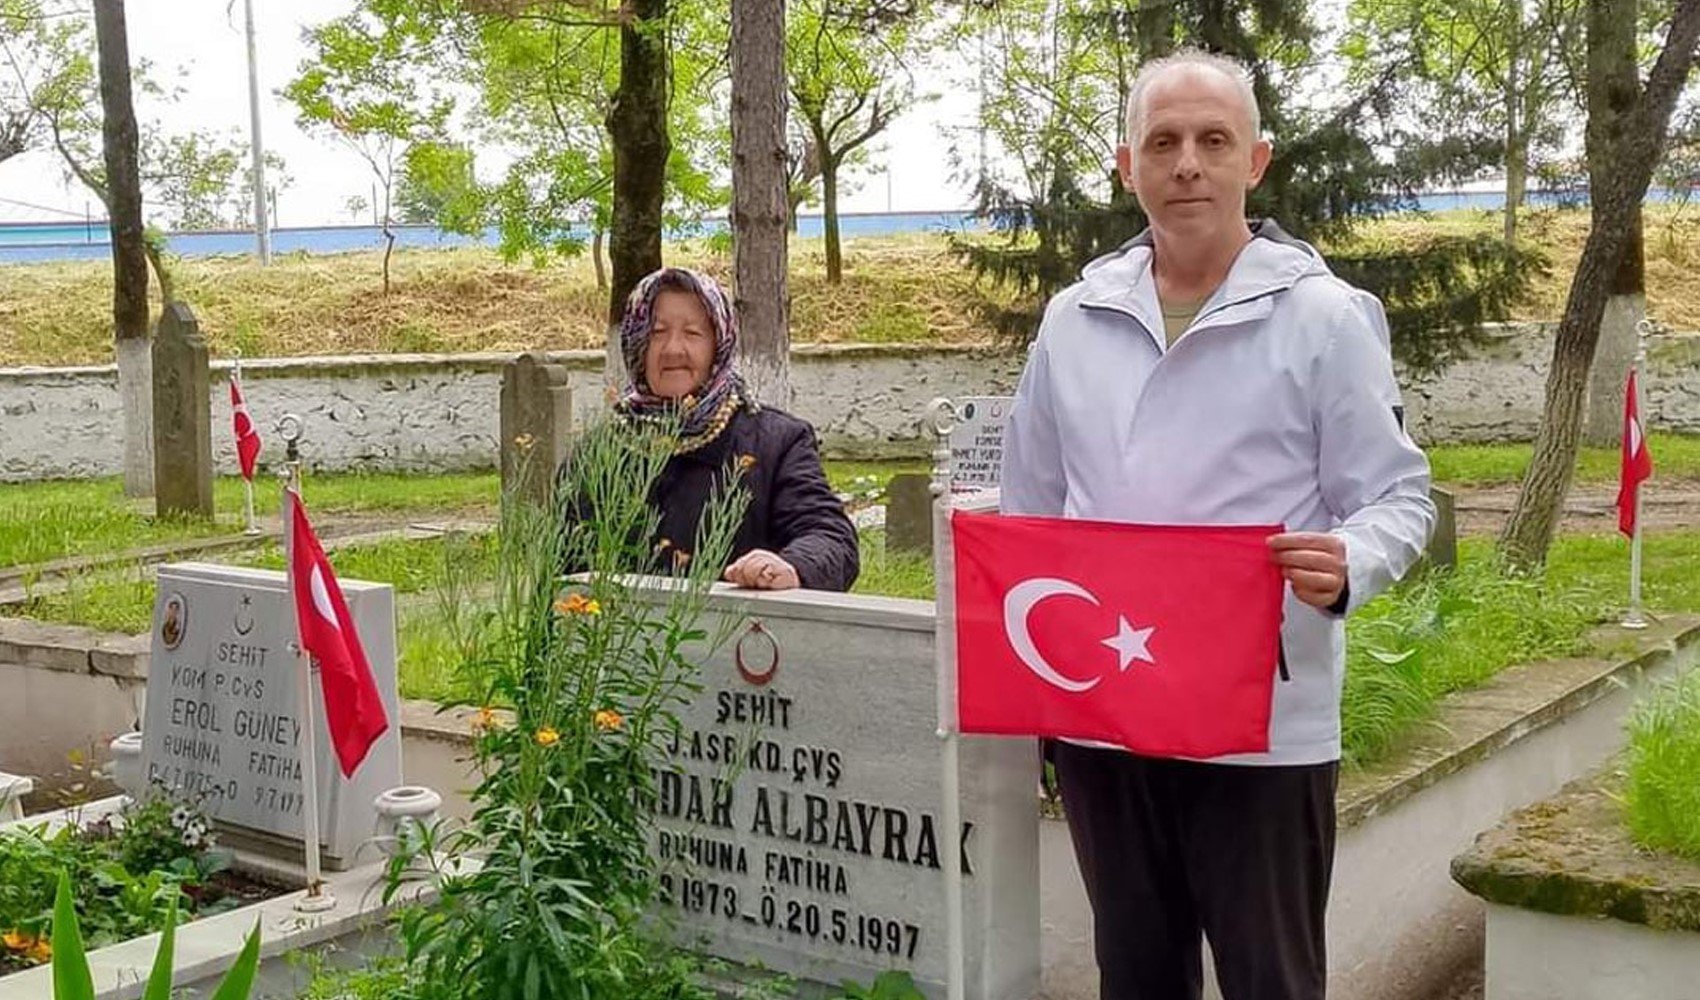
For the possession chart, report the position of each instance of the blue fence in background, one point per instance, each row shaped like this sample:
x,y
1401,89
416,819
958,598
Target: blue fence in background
x,y
33,242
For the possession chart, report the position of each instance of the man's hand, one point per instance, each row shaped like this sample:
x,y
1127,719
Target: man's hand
x,y
1314,563
759,569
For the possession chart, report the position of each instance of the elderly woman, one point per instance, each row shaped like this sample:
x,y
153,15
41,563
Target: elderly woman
x,y
680,338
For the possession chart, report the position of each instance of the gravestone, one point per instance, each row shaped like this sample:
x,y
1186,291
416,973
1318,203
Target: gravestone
x,y
909,514
182,417
222,725
536,420
800,825
1443,544
976,442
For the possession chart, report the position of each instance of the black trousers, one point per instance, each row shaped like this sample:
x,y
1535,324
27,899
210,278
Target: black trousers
x,y
1174,850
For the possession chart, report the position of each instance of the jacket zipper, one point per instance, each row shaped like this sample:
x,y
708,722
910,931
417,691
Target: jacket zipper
x,y
1165,348
1280,644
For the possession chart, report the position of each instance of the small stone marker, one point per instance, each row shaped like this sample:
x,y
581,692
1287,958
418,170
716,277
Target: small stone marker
x,y
182,417
909,514
222,724
801,824
976,442
536,420
1443,544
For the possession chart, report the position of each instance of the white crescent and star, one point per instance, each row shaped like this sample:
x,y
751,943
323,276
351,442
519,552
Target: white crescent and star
x,y
322,597
1129,643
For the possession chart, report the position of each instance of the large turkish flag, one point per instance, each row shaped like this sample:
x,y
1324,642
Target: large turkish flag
x,y
1161,639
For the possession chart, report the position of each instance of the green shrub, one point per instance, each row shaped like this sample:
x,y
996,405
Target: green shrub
x,y
561,904
1663,793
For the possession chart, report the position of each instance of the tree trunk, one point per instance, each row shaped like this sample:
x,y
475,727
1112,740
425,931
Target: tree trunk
x,y
596,240
1516,131
129,251
829,220
760,190
1614,85
1616,205
637,127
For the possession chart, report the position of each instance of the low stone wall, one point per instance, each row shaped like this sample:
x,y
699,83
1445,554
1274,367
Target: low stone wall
x,y
439,413
1577,909
417,412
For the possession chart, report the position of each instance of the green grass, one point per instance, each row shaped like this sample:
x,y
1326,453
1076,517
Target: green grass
x,y
111,599
121,599
1662,796
1451,631
895,574
379,493
1675,456
45,521
846,476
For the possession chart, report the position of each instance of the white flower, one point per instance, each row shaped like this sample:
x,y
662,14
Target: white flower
x,y
181,816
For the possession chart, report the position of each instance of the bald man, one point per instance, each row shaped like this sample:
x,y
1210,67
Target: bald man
x,y
1213,371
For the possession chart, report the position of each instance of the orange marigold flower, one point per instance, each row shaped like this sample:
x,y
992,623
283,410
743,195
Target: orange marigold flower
x,y
486,718
578,604
35,949
547,737
608,719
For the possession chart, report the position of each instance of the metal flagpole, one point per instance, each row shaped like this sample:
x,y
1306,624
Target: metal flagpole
x,y
1634,618
262,231
317,900
250,528
941,414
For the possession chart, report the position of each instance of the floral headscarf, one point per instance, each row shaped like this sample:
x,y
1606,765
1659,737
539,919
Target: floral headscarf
x,y
724,389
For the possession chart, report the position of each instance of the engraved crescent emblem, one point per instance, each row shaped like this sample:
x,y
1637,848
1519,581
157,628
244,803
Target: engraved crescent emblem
x,y
763,673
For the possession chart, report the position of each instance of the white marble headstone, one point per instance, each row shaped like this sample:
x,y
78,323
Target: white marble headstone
x,y
821,855
223,720
976,442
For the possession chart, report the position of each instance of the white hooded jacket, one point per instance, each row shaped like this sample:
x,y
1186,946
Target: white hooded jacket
x,y
1277,406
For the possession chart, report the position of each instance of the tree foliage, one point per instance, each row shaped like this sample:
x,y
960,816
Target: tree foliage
x,y
1054,108
533,82
1509,70
848,70
49,100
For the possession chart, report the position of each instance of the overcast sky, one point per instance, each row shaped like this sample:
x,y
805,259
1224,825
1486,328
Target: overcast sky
x,y
204,40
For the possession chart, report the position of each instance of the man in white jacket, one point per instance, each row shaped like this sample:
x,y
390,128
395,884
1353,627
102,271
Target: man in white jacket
x,y
1213,371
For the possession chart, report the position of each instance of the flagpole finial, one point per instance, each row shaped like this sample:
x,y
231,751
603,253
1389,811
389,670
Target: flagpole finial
x,y
941,419
289,428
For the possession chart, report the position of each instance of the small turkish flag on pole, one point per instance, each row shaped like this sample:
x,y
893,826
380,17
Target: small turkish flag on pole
x,y
1637,462
1164,640
247,445
1636,467
354,710
247,438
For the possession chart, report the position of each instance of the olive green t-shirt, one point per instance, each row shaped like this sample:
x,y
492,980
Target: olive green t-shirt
x,y
1177,316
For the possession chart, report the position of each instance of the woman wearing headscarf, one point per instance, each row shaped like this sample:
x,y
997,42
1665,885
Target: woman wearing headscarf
x,y
679,337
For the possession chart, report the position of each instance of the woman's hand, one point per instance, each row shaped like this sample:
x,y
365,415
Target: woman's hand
x,y
759,569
